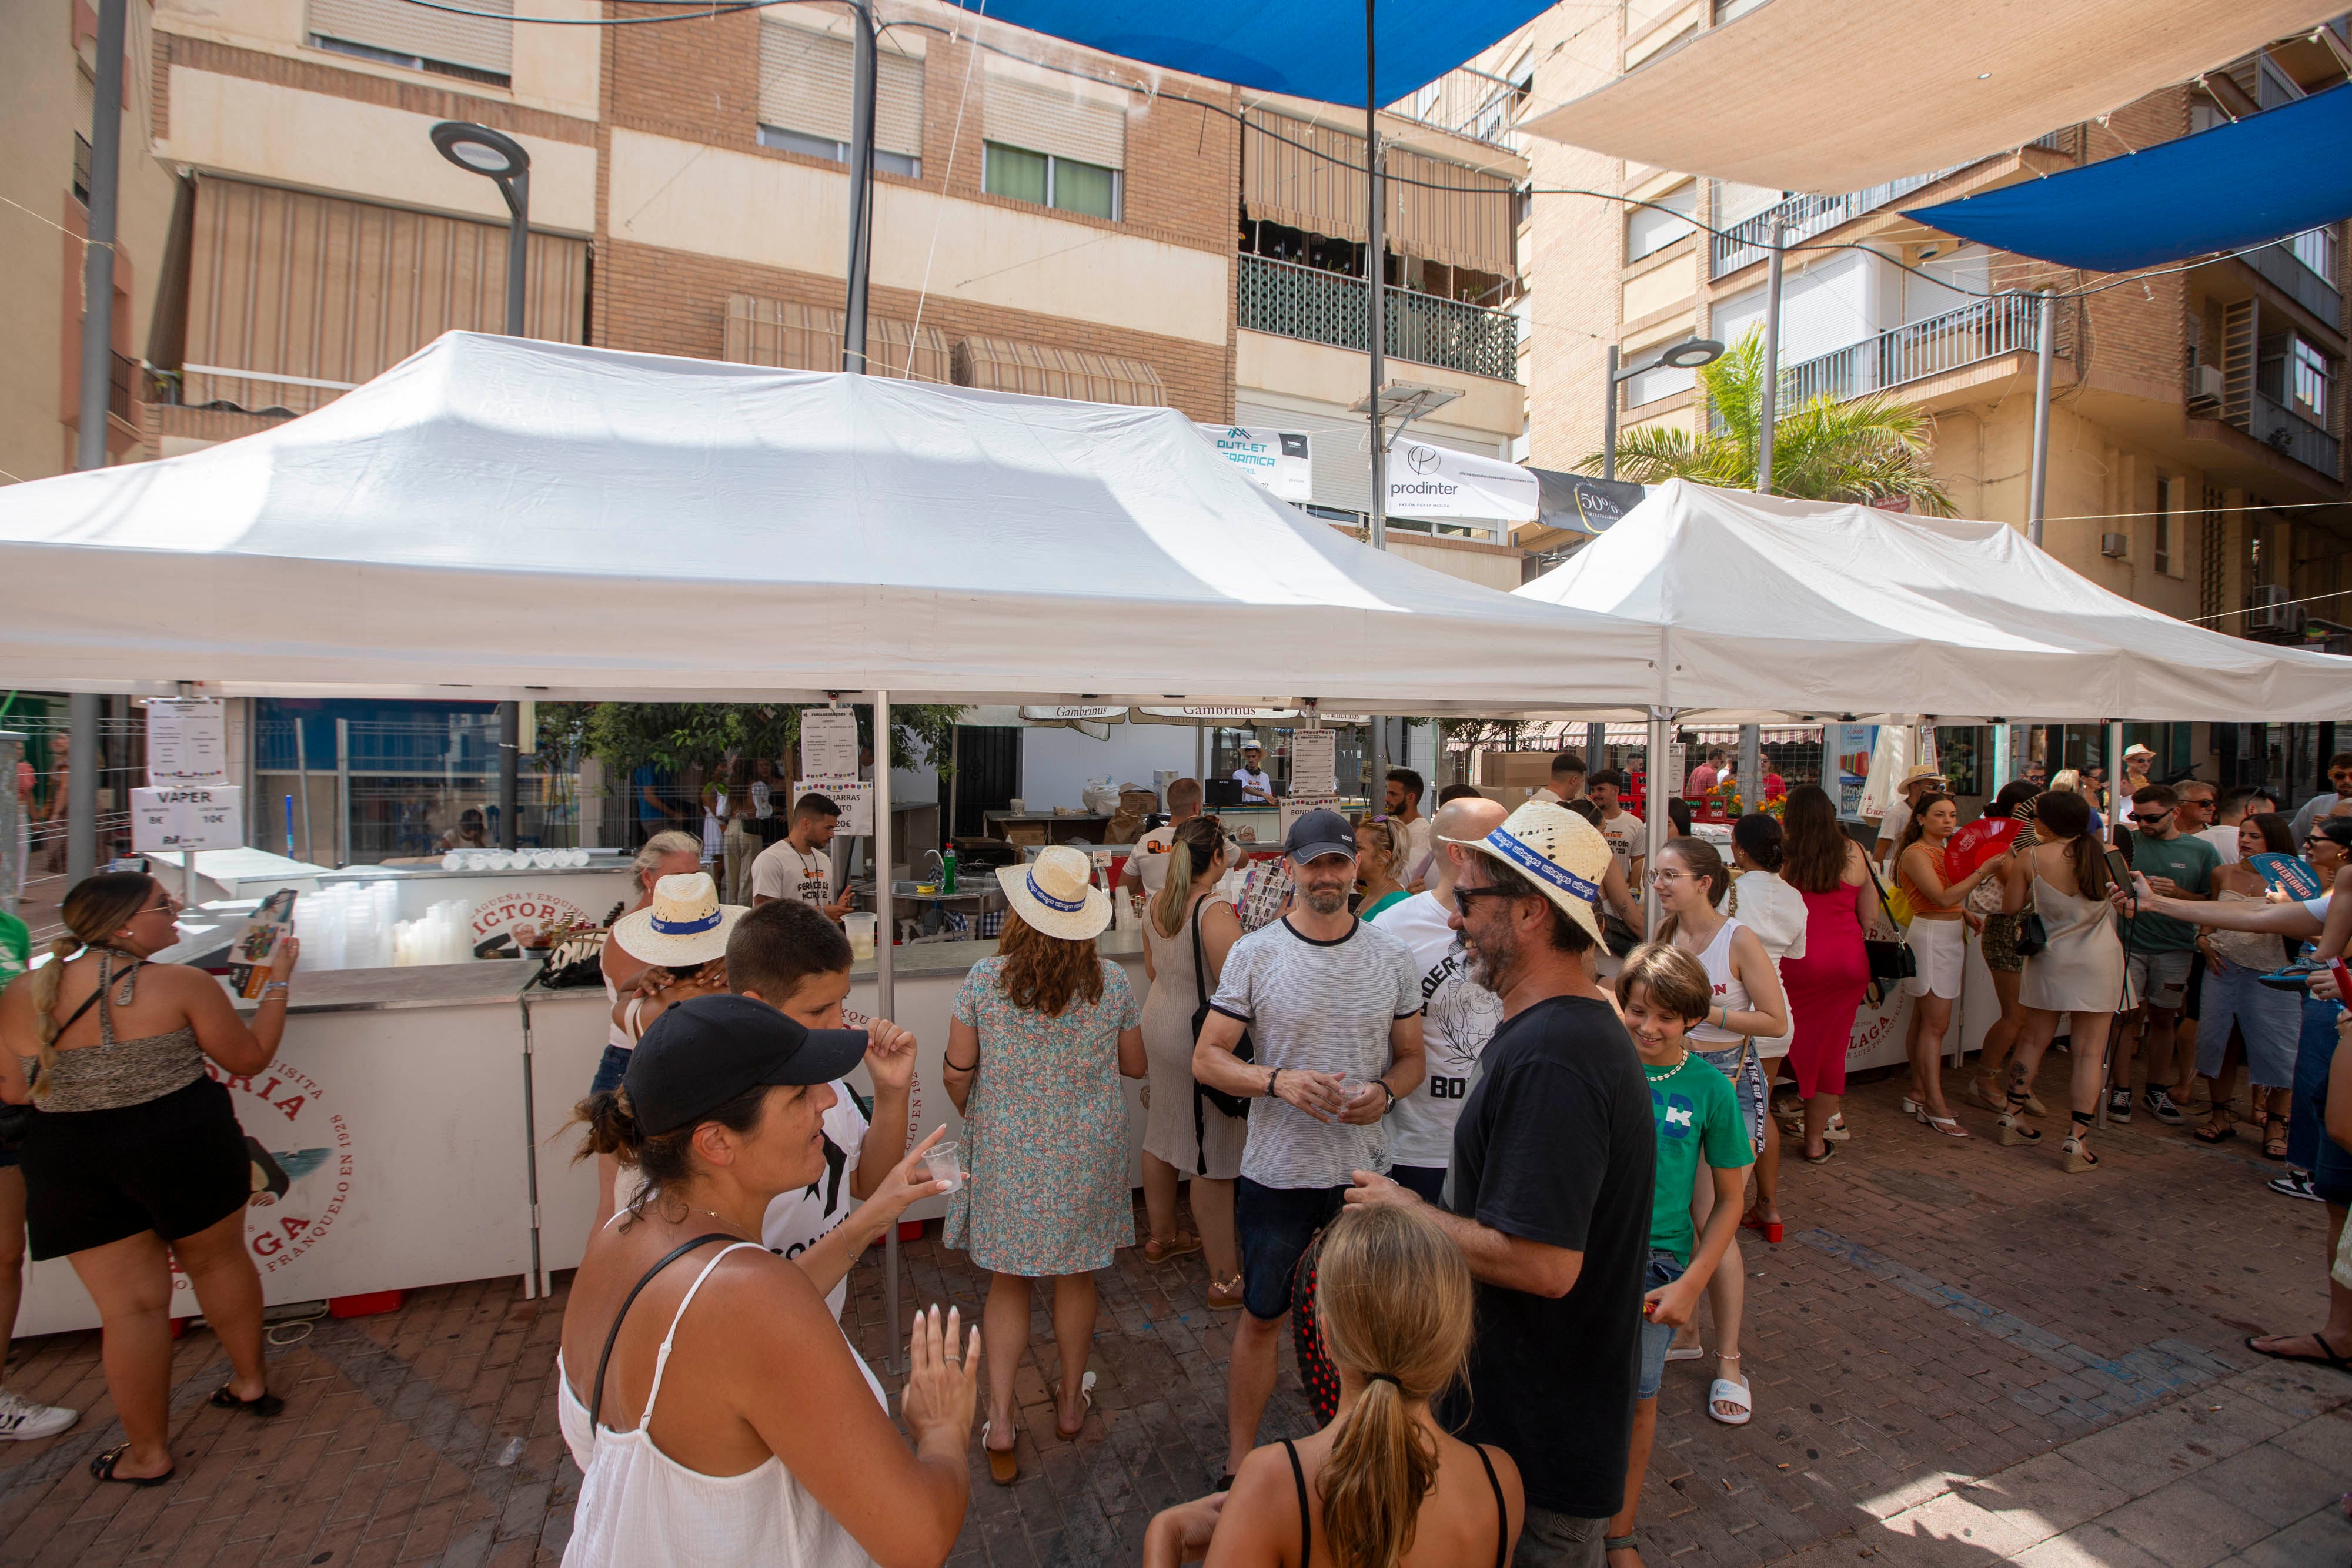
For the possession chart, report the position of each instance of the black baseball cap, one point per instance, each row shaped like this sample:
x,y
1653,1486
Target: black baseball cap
x,y
1318,833
701,1054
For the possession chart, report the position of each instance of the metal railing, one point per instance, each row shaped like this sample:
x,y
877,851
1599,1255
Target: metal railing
x,y
1983,329
2277,426
2298,282
1305,302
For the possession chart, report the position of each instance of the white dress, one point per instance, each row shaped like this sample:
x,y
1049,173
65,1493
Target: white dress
x,y
639,1508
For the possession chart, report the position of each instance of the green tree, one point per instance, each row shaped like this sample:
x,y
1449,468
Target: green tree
x,y
1865,449
679,736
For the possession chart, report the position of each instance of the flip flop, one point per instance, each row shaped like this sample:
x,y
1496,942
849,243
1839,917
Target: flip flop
x,y
2327,1357
103,1465
1086,1403
1003,1468
264,1405
1687,1353
1829,1152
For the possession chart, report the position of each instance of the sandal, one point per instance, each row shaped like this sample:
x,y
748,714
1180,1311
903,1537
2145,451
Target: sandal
x,y
1836,1132
1982,1093
1086,1402
2274,1138
1829,1152
2076,1158
1003,1466
2326,1356
263,1405
1184,1241
2216,1131
1948,1126
2014,1132
1736,1394
103,1465
1773,1229
1226,1296
1687,1353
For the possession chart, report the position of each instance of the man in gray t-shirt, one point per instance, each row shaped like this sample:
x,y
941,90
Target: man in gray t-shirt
x,y
1328,1001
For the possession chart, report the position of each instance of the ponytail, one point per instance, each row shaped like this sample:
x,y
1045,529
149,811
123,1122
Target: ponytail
x,y
1192,846
1381,1466
665,1159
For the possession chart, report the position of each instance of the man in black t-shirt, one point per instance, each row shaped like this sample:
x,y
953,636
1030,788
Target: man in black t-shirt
x,y
1550,1193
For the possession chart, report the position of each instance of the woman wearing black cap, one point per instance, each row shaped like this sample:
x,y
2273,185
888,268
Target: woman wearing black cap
x,y
733,1422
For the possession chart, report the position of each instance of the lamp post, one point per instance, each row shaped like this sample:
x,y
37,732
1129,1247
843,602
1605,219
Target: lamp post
x,y
478,150
1687,355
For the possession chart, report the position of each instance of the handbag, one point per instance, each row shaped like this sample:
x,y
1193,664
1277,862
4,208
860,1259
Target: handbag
x,y
1889,960
1229,1104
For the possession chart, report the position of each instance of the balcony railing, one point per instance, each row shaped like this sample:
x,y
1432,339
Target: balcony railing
x,y
1802,217
2297,282
1305,302
2277,426
1985,329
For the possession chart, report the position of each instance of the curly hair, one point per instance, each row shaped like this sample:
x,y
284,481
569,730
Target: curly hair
x,y
1046,974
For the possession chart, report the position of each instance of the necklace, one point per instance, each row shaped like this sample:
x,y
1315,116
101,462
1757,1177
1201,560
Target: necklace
x,y
1660,1074
714,1214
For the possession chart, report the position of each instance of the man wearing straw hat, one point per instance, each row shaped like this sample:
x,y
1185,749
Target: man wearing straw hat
x,y
1920,780
1333,1007
1549,1194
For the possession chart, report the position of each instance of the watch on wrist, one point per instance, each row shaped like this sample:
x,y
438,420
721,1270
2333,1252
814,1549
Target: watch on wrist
x,y
1390,1093
1271,1074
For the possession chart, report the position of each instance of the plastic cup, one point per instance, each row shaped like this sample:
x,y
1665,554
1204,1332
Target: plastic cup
x,y
945,1163
859,927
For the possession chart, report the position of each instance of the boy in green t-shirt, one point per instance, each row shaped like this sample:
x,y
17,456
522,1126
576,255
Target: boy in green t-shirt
x,y
16,946
1662,991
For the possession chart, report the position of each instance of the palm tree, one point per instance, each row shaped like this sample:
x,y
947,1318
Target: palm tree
x,y
1866,449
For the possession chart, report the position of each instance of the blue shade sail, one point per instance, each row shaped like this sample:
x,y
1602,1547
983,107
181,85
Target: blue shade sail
x,y
2268,176
1311,48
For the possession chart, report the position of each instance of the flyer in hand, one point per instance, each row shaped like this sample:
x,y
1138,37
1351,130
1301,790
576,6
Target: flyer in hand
x,y
257,946
2292,874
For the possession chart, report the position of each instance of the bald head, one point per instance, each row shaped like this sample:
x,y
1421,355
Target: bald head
x,y
1472,817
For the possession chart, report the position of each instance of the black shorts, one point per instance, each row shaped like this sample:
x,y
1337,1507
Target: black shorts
x,y
1274,1226
173,1165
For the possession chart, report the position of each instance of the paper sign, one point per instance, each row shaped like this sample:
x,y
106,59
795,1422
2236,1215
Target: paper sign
x,y
196,818
829,746
1313,763
1297,806
855,797
187,741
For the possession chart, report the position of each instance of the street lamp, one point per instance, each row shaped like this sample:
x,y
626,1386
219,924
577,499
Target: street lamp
x,y
478,150
1687,355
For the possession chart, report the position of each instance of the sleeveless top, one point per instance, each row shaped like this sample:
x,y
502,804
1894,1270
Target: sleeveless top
x,y
2256,950
1921,909
1307,1514
1728,990
639,1508
115,1073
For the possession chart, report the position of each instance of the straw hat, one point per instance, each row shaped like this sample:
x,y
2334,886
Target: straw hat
x,y
1564,855
685,925
1921,773
1056,894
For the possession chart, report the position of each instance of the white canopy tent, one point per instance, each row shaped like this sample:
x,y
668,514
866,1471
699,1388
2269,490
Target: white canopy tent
x,y
510,518
1768,606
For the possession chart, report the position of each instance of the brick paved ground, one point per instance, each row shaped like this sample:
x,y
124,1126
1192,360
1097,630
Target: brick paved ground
x,y
1940,1315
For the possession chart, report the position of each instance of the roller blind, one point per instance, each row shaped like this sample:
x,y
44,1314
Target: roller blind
x,y
804,85
483,43
1450,214
293,297
1001,364
808,338
1022,114
1303,175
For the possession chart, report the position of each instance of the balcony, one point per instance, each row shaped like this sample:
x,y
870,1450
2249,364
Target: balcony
x,y
1305,302
1802,217
2282,429
1985,329
2279,263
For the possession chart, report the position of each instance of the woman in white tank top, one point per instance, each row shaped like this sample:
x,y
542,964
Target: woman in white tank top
x,y
1692,879
732,1422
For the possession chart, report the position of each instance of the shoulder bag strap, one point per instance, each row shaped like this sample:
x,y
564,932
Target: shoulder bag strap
x,y
596,1394
1201,991
1502,1509
1306,1517
1881,887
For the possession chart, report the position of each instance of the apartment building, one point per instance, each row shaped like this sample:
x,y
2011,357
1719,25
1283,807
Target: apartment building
x,y
2196,444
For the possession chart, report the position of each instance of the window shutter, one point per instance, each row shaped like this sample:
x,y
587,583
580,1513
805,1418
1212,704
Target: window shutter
x,y
804,85
1303,176
1022,114
897,103
484,44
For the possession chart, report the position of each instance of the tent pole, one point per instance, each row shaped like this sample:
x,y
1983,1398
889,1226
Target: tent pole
x,y
1751,766
1375,345
2045,339
1770,391
82,786
1654,818
886,989
1596,741
861,200
1609,422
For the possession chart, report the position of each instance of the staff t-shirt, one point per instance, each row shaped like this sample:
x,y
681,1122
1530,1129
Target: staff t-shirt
x,y
1318,1007
1249,781
795,1221
1457,1019
1695,1112
1149,859
2189,862
1556,1144
1626,841
782,871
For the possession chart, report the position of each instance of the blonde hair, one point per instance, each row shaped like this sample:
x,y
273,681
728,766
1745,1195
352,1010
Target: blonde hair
x,y
2067,781
1192,846
96,907
1395,841
1394,1299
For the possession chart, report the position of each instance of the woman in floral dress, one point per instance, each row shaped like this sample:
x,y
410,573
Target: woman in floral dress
x,y
1042,1034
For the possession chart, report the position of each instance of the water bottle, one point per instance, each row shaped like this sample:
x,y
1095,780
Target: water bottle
x,y
947,871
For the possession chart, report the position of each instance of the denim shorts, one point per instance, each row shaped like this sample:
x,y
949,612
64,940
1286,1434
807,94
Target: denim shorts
x,y
1274,1226
609,1068
1656,1338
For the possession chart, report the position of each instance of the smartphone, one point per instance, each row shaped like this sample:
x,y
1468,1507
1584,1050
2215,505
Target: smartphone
x,y
2119,867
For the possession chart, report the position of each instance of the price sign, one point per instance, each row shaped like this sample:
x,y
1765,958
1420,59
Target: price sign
x,y
829,748
195,818
855,799
1313,764
187,741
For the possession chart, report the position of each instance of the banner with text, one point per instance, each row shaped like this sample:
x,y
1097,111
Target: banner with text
x,y
1276,460
1427,481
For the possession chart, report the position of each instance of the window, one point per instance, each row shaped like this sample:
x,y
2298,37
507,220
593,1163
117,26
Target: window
x,y
1649,230
2307,385
476,49
1051,182
2315,248
804,77
2163,552
1658,381
885,162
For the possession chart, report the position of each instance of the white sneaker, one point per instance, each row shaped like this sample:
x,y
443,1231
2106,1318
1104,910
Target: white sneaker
x,y
22,1421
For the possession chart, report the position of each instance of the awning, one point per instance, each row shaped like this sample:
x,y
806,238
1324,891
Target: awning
x,y
790,335
2261,179
1308,176
1314,49
1038,370
1829,96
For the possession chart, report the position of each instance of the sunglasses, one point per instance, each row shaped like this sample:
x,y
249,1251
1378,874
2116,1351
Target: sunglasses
x,y
1467,897
2151,819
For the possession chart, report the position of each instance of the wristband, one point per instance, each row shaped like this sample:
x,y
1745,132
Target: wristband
x,y
280,985
1390,1093
1271,1074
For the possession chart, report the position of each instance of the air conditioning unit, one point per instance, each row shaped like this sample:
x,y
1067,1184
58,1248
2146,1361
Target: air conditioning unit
x,y
2116,547
2205,383
2270,612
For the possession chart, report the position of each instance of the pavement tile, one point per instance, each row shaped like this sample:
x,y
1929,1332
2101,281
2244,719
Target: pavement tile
x,y
2273,1484
2321,1541
2185,1526
2050,1489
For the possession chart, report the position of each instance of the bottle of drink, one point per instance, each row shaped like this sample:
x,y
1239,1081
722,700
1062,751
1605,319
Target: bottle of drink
x,y
947,871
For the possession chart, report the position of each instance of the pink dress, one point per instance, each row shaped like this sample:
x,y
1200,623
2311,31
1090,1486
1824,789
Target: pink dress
x,y
1825,988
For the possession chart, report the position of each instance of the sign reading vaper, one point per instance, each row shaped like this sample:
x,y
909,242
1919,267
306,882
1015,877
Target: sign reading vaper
x,y
188,819
1276,460
1438,482
187,741
1314,769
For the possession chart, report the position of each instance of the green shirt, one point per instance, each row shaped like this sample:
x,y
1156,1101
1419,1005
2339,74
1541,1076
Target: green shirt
x,y
2190,861
1695,1111
16,946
